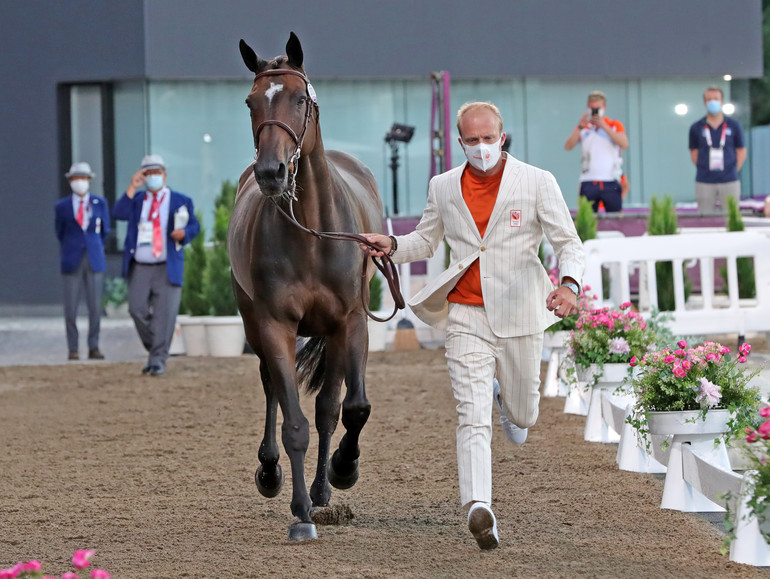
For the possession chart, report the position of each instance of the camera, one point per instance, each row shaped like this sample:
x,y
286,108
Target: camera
x,y
594,111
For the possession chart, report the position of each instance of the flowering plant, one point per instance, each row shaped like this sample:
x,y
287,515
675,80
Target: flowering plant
x,y
605,335
34,568
699,378
758,454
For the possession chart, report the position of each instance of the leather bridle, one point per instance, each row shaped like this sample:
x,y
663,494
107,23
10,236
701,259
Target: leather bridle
x,y
310,105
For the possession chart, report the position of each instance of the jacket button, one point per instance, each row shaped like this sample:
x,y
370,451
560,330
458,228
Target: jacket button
x,y
460,266
483,248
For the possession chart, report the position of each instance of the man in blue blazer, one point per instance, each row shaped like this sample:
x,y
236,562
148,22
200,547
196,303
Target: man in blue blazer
x,y
82,222
160,223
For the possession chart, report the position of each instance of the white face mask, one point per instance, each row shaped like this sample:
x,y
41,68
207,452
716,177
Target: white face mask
x,y
80,186
154,182
483,156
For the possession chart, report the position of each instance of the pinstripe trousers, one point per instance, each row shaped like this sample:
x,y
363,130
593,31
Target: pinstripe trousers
x,y
475,355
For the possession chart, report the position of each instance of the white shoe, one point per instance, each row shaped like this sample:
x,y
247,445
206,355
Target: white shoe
x,y
512,432
483,526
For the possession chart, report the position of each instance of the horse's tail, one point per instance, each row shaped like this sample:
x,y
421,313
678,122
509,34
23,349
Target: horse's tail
x,y
311,364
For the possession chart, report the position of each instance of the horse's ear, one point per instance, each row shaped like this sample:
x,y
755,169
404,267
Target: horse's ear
x,y
294,51
250,58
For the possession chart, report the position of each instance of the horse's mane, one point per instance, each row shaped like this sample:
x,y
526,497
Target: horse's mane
x,y
282,62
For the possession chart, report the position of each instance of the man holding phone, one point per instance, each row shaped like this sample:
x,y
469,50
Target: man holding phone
x,y
601,165
160,223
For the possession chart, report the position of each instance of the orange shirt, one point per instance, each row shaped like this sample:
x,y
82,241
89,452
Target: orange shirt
x,y
480,194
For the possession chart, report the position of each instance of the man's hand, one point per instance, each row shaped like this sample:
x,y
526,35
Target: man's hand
x,y
177,235
383,243
562,301
137,181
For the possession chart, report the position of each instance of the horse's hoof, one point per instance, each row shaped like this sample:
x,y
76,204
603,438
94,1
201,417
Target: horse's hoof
x,y
299,532
269,486
342,480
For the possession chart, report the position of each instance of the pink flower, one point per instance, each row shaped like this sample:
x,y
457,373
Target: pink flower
x,y
751,436
681,353
764,430
82,559
10,572
99,574
619,346
686,364
625,305
742,359
710,394
679,372
32,566
586,288
681,344
669,359
724,350
711,356
744,349
633,361
70,575
765,412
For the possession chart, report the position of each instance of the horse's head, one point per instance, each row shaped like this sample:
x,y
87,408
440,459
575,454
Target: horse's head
x,y
282,106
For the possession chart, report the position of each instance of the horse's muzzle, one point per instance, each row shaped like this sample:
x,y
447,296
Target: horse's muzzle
x,y
272,178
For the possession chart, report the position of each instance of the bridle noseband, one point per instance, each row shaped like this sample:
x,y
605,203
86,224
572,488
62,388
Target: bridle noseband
x,y
310,104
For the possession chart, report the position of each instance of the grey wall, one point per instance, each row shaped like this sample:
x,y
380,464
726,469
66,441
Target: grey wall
x,y
396,38
47,42
42,43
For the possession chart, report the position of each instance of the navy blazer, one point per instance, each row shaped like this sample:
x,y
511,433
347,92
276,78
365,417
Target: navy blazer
x,y
127,209
73,241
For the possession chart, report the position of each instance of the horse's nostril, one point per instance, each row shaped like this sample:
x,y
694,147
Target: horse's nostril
x,y
280,174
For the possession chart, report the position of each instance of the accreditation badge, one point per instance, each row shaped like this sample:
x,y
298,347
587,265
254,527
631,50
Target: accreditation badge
x,y
716,159
144,236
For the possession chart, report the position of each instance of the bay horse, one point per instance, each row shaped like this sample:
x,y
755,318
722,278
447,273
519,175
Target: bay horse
x,y
291,284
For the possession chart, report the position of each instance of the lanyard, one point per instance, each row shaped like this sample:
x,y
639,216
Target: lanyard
x,y
721,141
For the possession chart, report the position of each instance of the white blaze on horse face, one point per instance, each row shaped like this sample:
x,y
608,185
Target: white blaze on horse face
x,y
270,93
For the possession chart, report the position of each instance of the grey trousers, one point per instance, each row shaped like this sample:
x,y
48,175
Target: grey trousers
x,y
707,194
153,304
74,282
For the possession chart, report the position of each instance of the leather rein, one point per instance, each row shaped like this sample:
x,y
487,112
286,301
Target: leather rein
x,y
385,264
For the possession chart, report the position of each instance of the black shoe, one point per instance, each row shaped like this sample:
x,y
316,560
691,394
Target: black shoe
x,y
157,371
146,369
95,354
73,355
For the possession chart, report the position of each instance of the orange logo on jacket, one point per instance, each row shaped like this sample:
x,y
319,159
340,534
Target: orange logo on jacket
x,y
516,218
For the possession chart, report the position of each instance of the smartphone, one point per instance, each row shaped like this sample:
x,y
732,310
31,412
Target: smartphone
x,y
594,111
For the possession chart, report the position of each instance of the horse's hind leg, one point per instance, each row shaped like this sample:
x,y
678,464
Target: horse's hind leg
x,y
327,412
343,467
269,476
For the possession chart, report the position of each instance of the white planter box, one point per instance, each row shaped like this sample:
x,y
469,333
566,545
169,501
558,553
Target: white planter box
x,y
225,336
194,335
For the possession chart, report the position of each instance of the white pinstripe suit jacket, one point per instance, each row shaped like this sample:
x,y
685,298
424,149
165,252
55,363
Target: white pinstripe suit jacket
x,y
514,282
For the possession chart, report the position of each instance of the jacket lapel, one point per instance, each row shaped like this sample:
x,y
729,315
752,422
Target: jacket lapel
x,y
456,195
508,186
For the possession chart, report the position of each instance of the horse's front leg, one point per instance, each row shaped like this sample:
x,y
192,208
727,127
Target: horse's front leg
x,y
269,476
327,412
295,432
343,467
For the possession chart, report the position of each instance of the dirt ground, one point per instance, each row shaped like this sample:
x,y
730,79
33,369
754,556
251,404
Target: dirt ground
x,y
156,475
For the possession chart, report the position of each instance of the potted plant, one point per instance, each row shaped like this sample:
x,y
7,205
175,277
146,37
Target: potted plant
x,y
224,329
193,306
757,495
115,297
696,396
605,340
698,388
